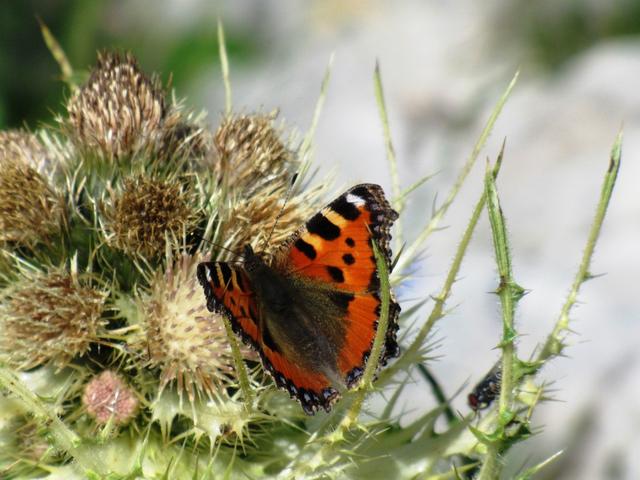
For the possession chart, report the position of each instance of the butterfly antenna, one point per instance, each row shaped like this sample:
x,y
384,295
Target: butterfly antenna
x,y
216,245
286,199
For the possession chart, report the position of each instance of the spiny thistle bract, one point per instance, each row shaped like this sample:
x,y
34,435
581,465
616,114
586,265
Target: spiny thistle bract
x,y
108,354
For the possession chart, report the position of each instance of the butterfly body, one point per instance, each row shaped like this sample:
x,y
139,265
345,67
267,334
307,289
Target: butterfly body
x,y
295,317
312,313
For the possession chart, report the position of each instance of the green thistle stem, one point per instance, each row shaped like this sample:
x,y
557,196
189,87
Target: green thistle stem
x,y
238,361
509,293
374,358
412,250
440,300
407,191
438,393
530,472
58,54
554,343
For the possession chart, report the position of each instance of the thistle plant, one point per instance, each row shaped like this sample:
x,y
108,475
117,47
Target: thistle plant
x,y
111,366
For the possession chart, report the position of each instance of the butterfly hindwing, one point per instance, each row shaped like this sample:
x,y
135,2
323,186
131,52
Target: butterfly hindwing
x,y
311,388
229,292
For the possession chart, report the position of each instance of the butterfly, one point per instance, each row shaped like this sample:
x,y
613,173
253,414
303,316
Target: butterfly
x,y
312,313
486,391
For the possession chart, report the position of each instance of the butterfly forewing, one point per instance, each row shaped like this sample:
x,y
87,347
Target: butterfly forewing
x,y
228,291
335,247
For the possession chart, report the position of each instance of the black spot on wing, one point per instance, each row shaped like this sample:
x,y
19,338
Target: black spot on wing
x,y
323,227
268,340
341,299
306,248
253,314
344,208
240,282
336,274
213,273
203,268
226,273
350,242
348,259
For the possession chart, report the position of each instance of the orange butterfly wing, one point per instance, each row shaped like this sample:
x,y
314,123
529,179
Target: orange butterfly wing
x,y
335,247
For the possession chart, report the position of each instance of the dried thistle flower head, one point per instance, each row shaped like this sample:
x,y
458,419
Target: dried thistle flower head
x,y
48,317
144,212
251,221
107,397
251,153
182,338
20,145
120,110
30,209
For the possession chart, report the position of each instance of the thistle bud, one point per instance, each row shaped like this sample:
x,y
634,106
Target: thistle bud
x,y
30,209
108,398
252,155
48,317
145,212
265,220
181,337
23,146
120,110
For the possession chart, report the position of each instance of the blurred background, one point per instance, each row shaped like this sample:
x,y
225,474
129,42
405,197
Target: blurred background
x,y
444,65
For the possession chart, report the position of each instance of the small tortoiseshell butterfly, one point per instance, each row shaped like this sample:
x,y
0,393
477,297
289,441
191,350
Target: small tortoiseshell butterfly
x,y
486,391
312,314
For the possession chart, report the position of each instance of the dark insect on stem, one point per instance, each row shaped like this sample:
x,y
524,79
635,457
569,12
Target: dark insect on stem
x,y
486,391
